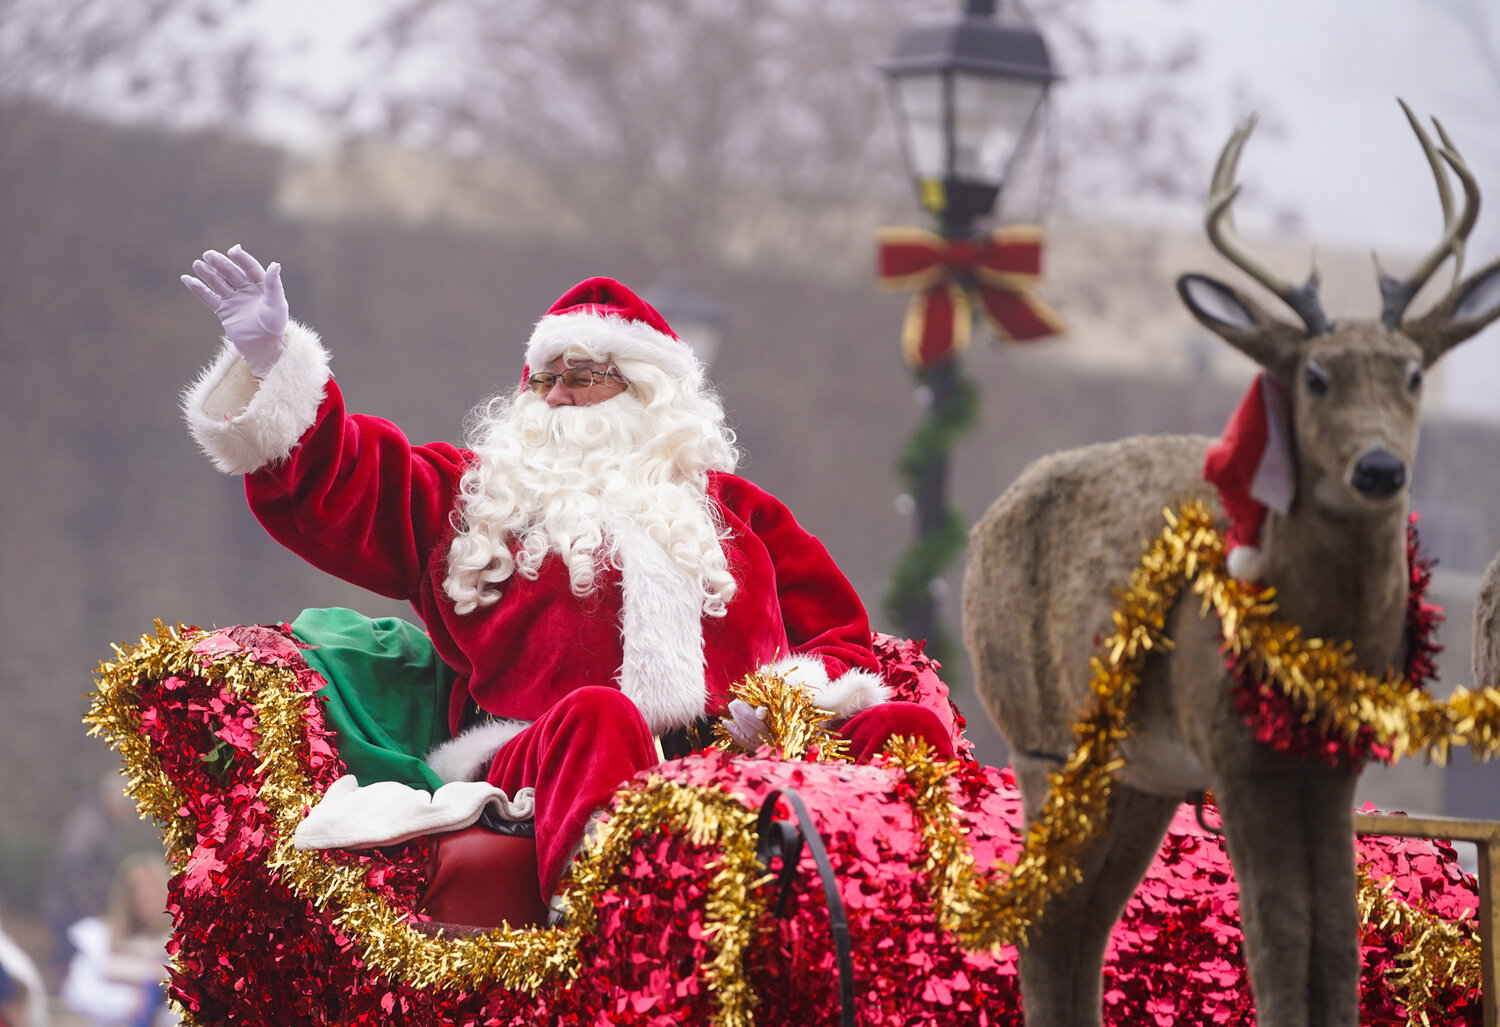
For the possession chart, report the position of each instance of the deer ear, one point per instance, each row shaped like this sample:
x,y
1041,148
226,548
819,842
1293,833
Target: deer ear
x,y
1270,342
1472,305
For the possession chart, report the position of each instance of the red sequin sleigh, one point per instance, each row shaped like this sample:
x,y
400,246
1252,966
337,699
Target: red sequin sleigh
x,y
676,919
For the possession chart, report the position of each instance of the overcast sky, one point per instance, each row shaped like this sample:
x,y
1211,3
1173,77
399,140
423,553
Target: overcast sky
x,y
1332,71
1346,159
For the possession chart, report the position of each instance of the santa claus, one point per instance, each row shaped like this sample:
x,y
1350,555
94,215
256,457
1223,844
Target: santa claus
x,y
589,565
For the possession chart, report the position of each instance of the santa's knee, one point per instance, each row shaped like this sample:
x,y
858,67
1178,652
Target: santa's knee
x,y
597,702
601,713
869,730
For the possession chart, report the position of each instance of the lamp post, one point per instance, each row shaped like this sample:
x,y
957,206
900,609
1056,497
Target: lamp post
x,y
966,91
696,319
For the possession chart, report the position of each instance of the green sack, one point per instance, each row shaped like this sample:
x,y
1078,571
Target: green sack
x,y
387,693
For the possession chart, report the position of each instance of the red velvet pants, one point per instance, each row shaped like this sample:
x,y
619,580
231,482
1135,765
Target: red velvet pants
x,y
594,740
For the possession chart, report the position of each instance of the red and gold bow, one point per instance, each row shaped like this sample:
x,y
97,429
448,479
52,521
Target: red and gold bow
x,y
999,268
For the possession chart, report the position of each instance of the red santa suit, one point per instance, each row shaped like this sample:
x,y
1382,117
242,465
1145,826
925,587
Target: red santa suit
x,y
581,684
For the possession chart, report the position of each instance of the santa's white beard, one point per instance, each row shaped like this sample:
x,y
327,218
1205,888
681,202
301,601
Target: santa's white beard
x,y
572,481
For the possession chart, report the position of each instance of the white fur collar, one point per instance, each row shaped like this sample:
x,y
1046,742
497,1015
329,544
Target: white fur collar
x,y
661,624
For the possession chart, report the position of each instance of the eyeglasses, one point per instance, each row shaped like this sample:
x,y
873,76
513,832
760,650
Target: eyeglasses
x,y
574,378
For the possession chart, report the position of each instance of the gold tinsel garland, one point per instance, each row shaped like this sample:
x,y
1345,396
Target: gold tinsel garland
x,y
116,715
795,725
734,907
517,959
997,907
1440,955
948,858
1321,677
983,911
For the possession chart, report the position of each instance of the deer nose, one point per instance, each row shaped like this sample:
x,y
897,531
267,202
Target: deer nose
x,y
1379,474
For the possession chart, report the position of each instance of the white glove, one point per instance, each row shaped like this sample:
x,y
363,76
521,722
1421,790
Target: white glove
x,y
746,724
248,300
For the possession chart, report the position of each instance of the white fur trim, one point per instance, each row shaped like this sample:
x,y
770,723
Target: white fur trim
x,y
467,757
843,696
855,690
661,625
244,423
611,335
806,672
1275,480
388,812
1245,563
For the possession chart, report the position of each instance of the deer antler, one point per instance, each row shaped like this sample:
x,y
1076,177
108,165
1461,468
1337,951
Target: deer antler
x,y
1219,222
1398,293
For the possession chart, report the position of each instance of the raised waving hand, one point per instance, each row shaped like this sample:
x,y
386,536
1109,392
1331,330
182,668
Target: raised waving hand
x,y
248,300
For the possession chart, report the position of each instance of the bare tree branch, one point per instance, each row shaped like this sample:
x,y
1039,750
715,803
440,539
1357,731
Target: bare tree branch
x,y
649,115
164,61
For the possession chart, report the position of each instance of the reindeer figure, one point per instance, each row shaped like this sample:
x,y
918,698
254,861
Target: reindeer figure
x,y
1046,559
1487,629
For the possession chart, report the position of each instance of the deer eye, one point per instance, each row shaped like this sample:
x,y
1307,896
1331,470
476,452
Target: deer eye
x,y
1315,378
1413,376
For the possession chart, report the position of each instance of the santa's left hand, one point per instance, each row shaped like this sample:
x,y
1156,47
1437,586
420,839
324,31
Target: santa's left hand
x,y
746,724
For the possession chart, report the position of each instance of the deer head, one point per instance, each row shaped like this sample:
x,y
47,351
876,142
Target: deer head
x,y
1355,385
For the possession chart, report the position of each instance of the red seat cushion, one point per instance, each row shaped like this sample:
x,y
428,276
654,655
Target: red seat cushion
x,y
477,878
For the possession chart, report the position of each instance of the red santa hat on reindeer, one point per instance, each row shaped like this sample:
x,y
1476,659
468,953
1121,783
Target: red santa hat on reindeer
x,y
1251,466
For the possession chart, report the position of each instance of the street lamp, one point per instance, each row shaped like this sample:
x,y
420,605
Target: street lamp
x,y
966,91
696,319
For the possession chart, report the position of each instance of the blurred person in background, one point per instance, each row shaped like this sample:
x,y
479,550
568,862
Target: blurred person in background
x,y
77,879
116,974
23,997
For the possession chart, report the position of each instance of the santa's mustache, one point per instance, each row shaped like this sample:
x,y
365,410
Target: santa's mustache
x,y
557,481
617,423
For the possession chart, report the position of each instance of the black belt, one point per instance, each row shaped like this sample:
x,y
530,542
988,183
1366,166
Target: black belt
x,y
488,818
681,741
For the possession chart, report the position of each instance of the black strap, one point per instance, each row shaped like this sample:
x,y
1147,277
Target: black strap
x,y
1199,799
488,818
683,741
781,838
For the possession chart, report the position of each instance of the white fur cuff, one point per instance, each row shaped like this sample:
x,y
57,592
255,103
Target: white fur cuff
x,y
844,696
468,757
387,812
244,423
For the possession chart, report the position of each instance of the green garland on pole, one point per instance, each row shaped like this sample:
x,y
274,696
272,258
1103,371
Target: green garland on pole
x,y
941,529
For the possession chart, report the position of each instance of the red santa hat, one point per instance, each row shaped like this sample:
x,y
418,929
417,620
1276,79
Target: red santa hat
x,y
606,317
1251,466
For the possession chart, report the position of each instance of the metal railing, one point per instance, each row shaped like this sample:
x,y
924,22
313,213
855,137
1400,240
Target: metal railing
x,y
1485,834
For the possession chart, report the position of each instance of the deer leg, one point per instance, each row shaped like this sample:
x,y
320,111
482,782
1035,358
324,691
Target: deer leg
x,y
1290,839
1062,965
1334,983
